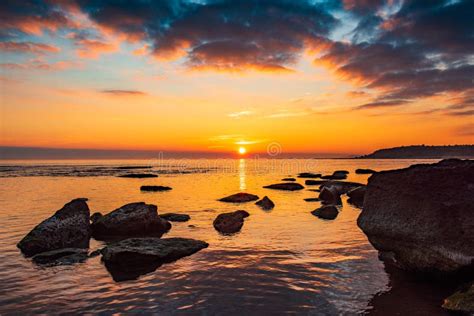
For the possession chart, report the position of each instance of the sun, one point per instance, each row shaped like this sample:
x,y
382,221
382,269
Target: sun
x,y
242,150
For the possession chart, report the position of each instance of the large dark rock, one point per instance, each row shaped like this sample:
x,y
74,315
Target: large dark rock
x,y
356,196
175,217
309,175
63,256
329,195
326,212
266,203
229,223
130,220
130,258
67,228
461,301
424,215
365,171
287,186
154,188
240,198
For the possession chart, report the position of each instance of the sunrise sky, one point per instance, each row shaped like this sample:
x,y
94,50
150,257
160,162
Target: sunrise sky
x,y
312,76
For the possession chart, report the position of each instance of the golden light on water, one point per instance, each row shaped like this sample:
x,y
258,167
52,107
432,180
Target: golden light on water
x,y
242,150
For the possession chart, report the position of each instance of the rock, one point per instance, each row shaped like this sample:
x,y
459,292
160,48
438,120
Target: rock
x,y
288,179
461,301
337,175
175,217
326,212
67,228
342,187
365,171
329,195
356,196
63,256
130,258
239,198
154,188
229,223
266,203
130,220
138,175
95,253
288,186
423,214
94,217
309,175
312,200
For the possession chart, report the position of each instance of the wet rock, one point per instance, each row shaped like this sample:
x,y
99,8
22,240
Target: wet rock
x,y
229,223
288,186
342,187
461,301
130,220
138,175
312,199
94,217
288,179
365,171
239,198
154,188
266,203
67,228
330,196
356,196
309,175
326,212
424,215
130,258
63,256
175,217
337,175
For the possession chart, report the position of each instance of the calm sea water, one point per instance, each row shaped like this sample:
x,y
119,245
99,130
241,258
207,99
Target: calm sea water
x,y
284,261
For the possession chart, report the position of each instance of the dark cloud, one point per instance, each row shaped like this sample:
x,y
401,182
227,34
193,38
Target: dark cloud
x,y
123,92
382,104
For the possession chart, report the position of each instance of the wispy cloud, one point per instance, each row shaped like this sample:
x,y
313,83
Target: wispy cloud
x,y
381,104
124,92
240,114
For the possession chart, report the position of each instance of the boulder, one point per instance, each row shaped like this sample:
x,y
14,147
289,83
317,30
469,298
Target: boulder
x,y
462,301
229,223
63,256
337,175
138,175
67,228
130,258
240,198
154,188
94,217
365,171
326,212
309,175
423,214
266,203
288,186
329,195
341,187
175,217
288,179
356,196
131,220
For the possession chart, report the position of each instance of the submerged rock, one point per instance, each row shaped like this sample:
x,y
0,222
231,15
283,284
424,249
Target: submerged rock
x,y
63,256
154,188
139,175
312,199
365,171
326,212
337,175
423,214
240,198
288,186
229,223
130,258
94,217
266,203
175,217
356,196
67,228
461,301
309,175
288,179
134,219
329,195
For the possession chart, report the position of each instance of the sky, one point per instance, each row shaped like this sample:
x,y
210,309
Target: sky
x,y
319,76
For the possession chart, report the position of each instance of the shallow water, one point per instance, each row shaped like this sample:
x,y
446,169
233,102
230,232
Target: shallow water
x,y
283,261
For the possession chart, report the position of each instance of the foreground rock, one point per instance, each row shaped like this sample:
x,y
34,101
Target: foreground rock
x,y
461,301
229,223
309,175
175,217
326,212
130,258
64,256
154,188
265,203
139,175
423,215
67,228
130,220
240,198
365,171
288,186
329,195
356,196
94,217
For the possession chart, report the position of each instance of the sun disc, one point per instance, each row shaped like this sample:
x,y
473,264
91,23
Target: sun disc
x,y
242,150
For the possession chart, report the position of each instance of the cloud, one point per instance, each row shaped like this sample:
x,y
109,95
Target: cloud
x,y
240,114
28,47
123,92
381,104
38,64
